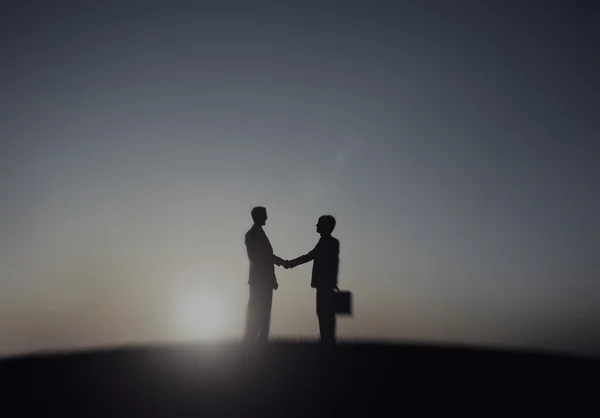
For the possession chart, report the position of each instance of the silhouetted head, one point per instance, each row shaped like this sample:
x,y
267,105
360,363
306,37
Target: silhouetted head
x,y
326,225
259,215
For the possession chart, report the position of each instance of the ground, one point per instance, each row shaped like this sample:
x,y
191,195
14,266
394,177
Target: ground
x,y
292,379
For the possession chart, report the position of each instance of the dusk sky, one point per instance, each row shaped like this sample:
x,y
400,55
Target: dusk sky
x,y
455,142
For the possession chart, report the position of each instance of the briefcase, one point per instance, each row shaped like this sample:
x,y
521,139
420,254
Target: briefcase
x,y
342,302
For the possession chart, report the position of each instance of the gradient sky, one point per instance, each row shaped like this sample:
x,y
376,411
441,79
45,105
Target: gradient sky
x,y
455,142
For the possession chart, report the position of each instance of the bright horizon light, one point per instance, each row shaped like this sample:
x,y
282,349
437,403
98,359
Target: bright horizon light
x,y
201,314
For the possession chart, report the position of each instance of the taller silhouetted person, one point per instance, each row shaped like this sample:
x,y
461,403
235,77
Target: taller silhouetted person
x,y
262,280
324,275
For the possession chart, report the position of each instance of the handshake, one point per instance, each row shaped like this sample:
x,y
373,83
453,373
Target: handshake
x,y
287,264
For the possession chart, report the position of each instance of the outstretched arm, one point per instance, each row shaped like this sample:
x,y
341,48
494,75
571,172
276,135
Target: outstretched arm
x,y
301,260
278,261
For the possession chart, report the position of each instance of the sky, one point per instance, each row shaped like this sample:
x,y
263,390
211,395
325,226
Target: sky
x,y
456,143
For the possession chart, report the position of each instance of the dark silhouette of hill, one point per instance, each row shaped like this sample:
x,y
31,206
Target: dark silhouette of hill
x,y
290,379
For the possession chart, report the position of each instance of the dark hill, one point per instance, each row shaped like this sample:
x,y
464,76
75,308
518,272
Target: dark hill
x,y
292,379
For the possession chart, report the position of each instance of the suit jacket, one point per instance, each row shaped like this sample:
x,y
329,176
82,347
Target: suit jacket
x,y
262,259
326,262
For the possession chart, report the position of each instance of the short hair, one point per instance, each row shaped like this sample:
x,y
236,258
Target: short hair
x,y
328,223
257,211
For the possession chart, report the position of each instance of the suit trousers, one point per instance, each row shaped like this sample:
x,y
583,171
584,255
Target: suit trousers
x,y
258,315
326,314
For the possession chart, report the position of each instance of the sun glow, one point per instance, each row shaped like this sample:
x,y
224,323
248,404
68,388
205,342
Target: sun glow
x,y
201,314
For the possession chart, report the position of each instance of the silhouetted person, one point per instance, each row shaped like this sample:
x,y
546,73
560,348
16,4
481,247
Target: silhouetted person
x,y
325,257
262,280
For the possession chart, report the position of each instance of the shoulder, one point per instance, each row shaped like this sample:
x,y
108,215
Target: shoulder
x,y
331,243
331,240
250,234
255,234
335,243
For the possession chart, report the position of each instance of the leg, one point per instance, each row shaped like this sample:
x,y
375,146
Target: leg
x,y
326,315
327,328
264,319
253,315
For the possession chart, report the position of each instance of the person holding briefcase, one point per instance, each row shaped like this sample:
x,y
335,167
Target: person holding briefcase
x,y
325,257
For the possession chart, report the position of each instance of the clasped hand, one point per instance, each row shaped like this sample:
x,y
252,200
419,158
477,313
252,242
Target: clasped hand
x,y
287,264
